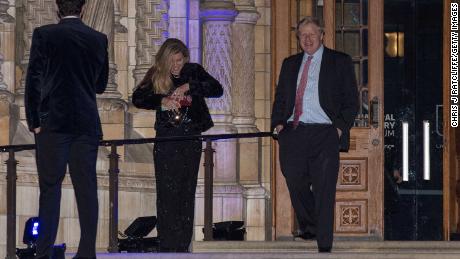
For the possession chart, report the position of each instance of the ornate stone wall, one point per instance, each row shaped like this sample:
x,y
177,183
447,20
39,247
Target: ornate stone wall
x,y
7,49
35,13
221,36
151,31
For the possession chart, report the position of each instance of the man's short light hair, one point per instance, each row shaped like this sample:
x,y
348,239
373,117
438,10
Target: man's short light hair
x,y
307,20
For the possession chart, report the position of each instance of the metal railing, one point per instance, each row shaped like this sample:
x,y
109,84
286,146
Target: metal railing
x,y
11,176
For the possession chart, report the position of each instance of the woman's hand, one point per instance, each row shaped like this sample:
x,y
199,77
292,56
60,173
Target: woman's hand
x,y
169,103
180,91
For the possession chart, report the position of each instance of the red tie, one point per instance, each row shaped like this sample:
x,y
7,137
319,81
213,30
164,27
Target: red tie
x,y
300,92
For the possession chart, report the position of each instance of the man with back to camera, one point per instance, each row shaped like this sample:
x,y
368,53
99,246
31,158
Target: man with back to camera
x,y
315,105
68,65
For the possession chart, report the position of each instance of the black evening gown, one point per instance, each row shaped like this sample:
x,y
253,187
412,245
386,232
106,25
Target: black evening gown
x,y
177,162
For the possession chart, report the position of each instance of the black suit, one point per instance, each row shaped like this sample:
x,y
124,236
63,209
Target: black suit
x,y
68,65
309,154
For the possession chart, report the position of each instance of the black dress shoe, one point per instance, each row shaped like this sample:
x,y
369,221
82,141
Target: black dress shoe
x,y
305,235
324,249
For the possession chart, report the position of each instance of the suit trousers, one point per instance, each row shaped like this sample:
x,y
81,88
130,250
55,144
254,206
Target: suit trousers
x,y
54,151
309,159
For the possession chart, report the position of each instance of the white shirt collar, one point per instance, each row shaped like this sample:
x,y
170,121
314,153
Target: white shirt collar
x,y
318,53
70,16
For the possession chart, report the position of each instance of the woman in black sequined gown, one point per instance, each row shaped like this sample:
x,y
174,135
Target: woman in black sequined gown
x,y
176,89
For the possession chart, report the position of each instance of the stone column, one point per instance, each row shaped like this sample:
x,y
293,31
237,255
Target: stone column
x,y
119,28
178,20
217,18
243,65
7,49
243,110
36,13
6,98
100,15
3,86
151,31
194,31
243,91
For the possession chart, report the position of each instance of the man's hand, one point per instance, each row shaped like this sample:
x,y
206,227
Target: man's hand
x,y
397,176
37,130
339,131
278,129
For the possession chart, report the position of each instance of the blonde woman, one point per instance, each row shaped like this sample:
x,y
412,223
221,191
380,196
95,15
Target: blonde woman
x,y
176,89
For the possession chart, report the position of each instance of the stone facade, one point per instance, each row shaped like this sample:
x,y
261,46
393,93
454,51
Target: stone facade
x,y
230,38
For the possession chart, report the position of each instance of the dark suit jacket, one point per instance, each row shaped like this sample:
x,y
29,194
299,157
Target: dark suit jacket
x,y
68,65
338,92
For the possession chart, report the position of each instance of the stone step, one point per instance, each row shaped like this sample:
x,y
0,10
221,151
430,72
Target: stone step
x,y
286,255
302,249
261,246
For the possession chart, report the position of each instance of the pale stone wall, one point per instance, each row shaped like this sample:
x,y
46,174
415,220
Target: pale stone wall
x,y
263,84
240,59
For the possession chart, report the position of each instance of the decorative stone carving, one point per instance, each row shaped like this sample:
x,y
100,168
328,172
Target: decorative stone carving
x,y
151,31
36,13
119,28
99,14
243,64
109,105
217,37
3,86
255,192
4,16
218,62
217,18
6,96
112,111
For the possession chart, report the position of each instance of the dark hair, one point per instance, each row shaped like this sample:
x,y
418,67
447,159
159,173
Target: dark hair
x,y
70,7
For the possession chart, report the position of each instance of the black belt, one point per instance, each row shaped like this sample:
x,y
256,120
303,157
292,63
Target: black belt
x,y
304,124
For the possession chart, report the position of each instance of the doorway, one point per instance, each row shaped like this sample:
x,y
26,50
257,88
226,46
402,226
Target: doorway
x,y
413,33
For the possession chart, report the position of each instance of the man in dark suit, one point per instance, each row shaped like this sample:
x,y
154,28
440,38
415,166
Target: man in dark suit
x,y
68,65
315,105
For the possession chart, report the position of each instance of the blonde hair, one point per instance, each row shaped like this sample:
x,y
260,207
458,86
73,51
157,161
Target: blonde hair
x,y
308,20
161,78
